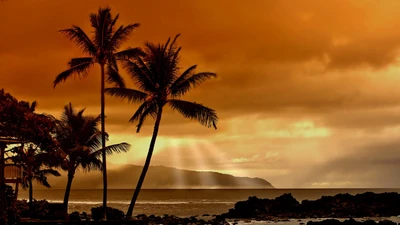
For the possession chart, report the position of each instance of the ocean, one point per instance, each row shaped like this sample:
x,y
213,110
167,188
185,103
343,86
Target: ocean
x,y
179,202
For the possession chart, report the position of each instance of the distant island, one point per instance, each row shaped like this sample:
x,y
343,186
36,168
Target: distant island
x,y
160,177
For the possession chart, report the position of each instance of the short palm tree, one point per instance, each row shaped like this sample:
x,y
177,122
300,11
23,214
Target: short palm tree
x,y
101,48
34,165
157,75
80,144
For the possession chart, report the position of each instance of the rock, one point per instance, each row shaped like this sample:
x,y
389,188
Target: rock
x,y
369,222
339,206
386,222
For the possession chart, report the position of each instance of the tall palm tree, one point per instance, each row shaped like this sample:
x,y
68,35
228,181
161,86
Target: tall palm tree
x,y
80,144
101,48
157,75
34,165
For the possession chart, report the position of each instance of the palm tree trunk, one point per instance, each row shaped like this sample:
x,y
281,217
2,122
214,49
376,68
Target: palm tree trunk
x,y
67,191
103,143
146,165
30,194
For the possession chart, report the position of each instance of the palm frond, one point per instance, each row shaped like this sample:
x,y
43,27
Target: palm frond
x,y
121,35
140,111
42,180
151,110
46,172
114,21
171,47
129,53
81,70
188,72
141,74
131,95
191,82
114,77
204,115
79,37
116,148
78,61
91,163
101,22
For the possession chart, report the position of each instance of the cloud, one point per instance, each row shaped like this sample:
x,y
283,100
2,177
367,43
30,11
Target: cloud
x,y
299,83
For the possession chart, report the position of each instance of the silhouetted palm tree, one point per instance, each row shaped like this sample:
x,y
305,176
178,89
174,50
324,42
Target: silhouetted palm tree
x,y
35,167
157,75
80,144
102,49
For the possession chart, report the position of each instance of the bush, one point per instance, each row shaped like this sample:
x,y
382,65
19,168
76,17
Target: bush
x,y
111,213
74,216
13,214
40,209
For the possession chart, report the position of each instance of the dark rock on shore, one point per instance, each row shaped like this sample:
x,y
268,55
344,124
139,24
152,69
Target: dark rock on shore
x,y
339,206
351,222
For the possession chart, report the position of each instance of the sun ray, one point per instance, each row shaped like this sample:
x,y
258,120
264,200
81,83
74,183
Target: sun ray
x,y
201,165
224,162
177,162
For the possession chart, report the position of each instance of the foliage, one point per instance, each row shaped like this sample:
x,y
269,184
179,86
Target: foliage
x,y
18,120
80,141
158,77
33,162
74,216
13,216
101,48
80,144
157,74
39,210
112,213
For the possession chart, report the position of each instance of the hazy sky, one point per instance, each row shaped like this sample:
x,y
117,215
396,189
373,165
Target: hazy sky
x,y
308,91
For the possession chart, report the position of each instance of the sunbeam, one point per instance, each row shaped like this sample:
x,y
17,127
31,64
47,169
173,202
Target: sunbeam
x,y
177,162
224,162
201,165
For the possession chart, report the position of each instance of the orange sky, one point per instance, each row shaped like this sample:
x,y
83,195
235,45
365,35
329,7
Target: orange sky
x,y
307,92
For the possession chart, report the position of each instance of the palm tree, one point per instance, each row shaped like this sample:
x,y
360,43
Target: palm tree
x,y
35,167
157,74
80,144
101,49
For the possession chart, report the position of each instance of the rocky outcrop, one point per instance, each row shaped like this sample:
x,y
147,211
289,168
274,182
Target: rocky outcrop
x,y
339,206
351,222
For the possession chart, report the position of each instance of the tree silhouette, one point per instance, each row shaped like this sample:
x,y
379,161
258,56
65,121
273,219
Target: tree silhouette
x,y
80,144
157,74
35,166
102,49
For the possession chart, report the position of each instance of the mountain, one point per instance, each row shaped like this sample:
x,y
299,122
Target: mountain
x,y
159,177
